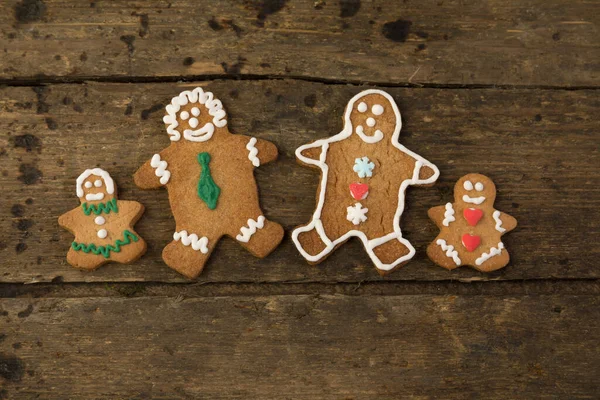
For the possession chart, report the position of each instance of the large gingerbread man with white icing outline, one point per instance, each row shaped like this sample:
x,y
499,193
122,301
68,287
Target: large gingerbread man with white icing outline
x,y
209,175
364,175
470,228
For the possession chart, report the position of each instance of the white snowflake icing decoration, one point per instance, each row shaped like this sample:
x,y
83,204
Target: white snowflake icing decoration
x,y
363,167
357,214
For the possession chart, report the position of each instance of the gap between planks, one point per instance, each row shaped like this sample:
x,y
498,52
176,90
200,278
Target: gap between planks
x,y
230,289
50,80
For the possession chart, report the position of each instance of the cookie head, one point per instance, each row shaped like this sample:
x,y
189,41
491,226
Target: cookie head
x,y
374,115
95,185
475,189
194,114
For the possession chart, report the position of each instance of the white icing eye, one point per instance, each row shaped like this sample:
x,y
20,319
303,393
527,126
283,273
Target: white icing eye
x,y
479,186
88,184
468,185
184,115
362,107
195,111
193,122
377,109
371,121
97,183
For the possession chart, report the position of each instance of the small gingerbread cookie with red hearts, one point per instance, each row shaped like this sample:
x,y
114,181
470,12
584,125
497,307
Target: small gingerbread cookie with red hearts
x,y
471,228
102,225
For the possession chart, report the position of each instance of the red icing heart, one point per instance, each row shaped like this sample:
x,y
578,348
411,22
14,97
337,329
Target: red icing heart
x,y
472,215
359,190
471,242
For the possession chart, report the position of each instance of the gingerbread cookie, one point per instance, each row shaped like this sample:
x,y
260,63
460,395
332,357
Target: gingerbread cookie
x,y
209,174
470,228
102,225
364,175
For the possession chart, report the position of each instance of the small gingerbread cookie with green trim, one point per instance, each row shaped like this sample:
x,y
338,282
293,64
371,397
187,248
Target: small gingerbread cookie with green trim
x,y
102,225
209,174
471,228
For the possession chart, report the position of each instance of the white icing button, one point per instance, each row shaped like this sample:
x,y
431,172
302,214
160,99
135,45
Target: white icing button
x,y
362,107
479,186
184,115
193,122
468,185
88,184
377,109
371,121
97,183
99,220
102,233
195,111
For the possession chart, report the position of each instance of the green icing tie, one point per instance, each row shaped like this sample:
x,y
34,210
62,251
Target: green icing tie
x,y
208,190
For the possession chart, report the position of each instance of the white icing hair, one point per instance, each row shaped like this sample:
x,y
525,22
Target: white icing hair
x,y
215,109
108,182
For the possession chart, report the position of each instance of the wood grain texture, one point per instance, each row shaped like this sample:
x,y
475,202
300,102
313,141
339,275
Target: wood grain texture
x,y
491,42
301,347
539,146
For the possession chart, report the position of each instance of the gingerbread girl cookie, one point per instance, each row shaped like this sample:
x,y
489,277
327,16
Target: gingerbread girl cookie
x,y
470,228
102,225
364,175
209,174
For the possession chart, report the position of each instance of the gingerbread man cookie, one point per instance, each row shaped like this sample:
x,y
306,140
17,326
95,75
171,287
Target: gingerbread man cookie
x,y
364,175
470,228
102,225
209,174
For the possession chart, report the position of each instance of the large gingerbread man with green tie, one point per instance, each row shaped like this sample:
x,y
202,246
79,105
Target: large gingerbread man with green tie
x,y
209,174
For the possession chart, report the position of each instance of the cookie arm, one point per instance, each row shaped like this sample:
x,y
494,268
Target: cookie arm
x,y
154,173
133,208
260,151
425,173
311,153
436,214
68,219
508,222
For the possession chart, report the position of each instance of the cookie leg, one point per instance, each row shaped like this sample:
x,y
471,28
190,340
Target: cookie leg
x,y
494,263
389,252
260,236
188,253
443,254
311,244
88,262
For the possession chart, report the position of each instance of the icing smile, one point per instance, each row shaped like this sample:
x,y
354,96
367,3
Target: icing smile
x,y
473,200
200,135
377,136
94,196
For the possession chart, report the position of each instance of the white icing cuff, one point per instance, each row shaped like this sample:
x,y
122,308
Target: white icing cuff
x,y
247,232
193,240
161,169
253,151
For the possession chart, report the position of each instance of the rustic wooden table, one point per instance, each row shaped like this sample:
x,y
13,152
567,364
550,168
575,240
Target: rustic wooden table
x,y
503,87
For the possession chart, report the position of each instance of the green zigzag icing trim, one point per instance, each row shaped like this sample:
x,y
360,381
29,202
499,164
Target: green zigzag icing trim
x,y
101,207
105,250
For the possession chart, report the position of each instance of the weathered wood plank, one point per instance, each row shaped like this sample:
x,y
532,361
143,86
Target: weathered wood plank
x,y
301,347
539,146
491,42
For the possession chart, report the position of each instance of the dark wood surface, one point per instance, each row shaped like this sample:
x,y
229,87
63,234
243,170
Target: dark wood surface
x,y
507,89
